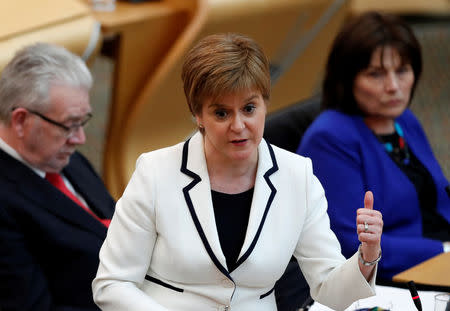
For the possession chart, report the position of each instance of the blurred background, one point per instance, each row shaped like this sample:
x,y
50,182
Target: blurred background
x,y
135,53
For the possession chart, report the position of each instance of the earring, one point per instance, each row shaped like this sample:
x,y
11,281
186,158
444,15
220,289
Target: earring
x,y
200,126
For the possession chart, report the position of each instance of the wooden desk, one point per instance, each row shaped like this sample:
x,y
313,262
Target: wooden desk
x,y
128,14
434,271
22,16
402,7
145,32
66,23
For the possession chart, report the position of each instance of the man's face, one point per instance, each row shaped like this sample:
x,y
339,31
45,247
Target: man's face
x,y
48,146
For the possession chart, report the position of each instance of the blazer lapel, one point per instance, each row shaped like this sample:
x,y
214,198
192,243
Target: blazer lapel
x,y
197,195
84,183
43,194
263,195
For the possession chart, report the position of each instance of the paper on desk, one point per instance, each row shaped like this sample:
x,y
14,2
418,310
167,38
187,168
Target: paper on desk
x,y
398,299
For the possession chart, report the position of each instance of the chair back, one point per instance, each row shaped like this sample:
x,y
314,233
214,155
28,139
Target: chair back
x,y
285,128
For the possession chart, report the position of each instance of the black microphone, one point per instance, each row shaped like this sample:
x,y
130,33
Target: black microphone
x,y
414,295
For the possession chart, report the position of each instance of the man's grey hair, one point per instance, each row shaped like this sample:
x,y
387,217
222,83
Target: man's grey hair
x,y
27,78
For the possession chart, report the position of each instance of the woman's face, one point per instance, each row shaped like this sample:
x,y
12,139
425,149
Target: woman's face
x,y
234,126
383,89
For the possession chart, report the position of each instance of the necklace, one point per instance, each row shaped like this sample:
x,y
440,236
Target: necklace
x,y
396,146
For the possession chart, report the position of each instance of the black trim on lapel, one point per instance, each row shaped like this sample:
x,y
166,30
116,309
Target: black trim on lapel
x,y
269,172
267,294
188,200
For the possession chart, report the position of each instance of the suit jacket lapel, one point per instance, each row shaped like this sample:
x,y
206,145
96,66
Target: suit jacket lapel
x,y
83,182
198,198
263,196
43,194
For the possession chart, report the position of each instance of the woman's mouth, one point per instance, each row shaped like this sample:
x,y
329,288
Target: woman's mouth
x,y
239,142
394,102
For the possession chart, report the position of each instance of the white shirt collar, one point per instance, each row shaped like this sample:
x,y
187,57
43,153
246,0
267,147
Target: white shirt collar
x,y
13,153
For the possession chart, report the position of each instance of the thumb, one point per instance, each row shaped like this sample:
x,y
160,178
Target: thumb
x,y
368,200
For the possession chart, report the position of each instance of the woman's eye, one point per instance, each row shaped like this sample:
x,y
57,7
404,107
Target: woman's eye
x,y
221,114
249,108
403,69
375,73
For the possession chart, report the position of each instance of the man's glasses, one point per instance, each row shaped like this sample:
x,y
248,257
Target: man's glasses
x,y
68,130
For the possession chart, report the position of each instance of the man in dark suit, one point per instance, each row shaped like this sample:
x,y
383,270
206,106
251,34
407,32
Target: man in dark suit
x,y
54,208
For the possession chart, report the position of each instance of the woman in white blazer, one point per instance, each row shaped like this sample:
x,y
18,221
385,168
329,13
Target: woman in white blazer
x,y
211,223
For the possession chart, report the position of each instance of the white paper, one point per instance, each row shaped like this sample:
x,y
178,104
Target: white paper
x,y
392,298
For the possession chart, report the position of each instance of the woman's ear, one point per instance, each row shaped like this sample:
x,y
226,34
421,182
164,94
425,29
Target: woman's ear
x,y
199,121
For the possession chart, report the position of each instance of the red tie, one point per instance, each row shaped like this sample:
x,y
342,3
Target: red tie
x,y
56,180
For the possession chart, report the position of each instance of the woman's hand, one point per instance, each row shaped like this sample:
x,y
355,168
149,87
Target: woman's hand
x,y
369,224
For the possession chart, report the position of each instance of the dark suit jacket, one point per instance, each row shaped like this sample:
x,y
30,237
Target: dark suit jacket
x,y
49,245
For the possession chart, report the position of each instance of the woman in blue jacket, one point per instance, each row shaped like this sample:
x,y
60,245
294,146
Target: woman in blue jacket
x,y
367,138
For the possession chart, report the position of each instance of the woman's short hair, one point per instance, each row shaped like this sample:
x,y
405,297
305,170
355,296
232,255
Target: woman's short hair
x,y
27,78
352,50
221,64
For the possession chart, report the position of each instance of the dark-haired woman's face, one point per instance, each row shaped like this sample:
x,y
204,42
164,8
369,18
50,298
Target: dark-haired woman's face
x,y
383,89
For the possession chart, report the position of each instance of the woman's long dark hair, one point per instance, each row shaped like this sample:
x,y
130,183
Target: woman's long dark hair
x,y
352,50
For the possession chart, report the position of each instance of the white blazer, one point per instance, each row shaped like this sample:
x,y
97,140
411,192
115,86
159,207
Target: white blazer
x,y
162,251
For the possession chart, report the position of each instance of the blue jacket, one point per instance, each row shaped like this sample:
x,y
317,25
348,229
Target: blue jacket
x,y
348,159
